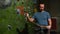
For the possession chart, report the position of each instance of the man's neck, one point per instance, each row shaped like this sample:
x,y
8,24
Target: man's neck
x,y
42,11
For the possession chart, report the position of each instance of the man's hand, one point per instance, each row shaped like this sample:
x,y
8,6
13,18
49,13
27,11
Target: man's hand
x,y
27,15
48,27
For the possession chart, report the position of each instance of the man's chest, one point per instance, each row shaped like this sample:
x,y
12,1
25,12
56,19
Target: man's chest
x,y
41,16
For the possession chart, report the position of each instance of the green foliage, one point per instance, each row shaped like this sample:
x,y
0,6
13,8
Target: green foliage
x,y
9,16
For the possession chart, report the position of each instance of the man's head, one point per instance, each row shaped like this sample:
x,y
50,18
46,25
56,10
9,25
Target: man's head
x,y
41,7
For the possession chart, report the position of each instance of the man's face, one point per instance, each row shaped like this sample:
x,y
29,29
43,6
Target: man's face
x,y
41,7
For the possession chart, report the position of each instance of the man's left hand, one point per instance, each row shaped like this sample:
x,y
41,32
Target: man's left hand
x,y
48,27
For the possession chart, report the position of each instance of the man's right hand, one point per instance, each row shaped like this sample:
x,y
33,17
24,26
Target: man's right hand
x,y
27,15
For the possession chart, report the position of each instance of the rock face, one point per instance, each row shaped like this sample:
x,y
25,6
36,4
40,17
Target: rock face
x,y
5,3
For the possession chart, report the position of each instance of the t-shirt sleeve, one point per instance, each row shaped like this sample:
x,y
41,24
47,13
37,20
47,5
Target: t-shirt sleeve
x,y
48,16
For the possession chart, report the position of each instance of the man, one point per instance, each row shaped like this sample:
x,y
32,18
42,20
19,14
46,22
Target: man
x,y
43,18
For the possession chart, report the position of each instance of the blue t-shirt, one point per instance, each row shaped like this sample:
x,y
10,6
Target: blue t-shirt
x,y
42,18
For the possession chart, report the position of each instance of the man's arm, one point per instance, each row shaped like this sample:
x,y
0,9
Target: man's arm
x,y
50,23
29,18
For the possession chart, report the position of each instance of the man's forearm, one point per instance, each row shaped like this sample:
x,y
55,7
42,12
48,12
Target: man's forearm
x,y
30,19
50,22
